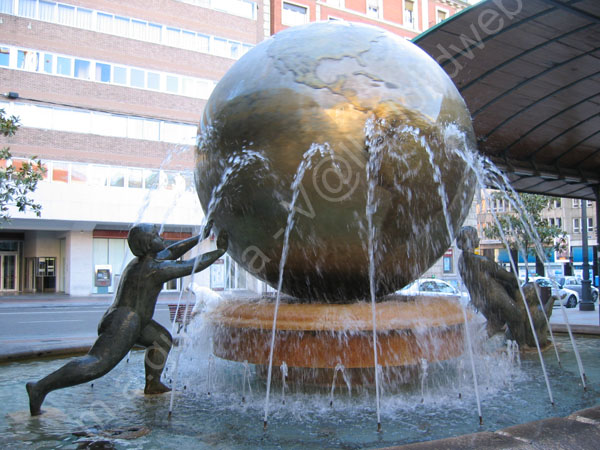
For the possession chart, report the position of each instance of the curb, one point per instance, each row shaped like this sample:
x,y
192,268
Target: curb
x,y
579,430
45,353
576,329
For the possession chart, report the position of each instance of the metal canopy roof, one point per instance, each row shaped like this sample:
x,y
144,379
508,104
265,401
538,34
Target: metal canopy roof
x,y
529,71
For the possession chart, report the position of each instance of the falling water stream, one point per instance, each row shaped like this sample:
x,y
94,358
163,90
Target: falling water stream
x,y
497,180
233,166
502,184
437,178
374,145
297,182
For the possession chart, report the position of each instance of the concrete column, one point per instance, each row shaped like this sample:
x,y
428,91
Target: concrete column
x,y
425,14
79,263
586,303
597,195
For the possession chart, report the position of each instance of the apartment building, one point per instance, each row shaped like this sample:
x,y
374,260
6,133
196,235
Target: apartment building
x,y
407,18
109,95
565,213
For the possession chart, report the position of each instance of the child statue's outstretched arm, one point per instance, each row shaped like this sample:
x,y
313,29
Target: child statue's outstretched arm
x,y
178,249
177,269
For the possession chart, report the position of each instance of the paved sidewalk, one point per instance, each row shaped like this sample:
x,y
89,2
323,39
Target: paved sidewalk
x,y
41,300
581,322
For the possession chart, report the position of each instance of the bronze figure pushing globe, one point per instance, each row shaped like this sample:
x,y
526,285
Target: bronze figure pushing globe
x,y
333,108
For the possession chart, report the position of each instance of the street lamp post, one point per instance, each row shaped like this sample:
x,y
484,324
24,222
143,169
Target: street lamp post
x,y
586,303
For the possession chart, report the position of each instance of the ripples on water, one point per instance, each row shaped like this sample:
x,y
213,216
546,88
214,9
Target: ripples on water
x,y
306,420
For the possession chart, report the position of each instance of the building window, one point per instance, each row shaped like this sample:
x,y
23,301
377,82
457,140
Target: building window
x,y
134,178
104,22
84,18
294,14
153,81
79,173
555,222
103,72
500,205
138,78
63,66
6,6
447,261
172,84
121,26
410,14
60,172
66,15
440,15
119,75
4,56
84,121
117,177
27,8
557,203
49,63
576,203
590,225
27,60
374,9
154,33
129,27
577,225
34,61
47,11
243,8
82,69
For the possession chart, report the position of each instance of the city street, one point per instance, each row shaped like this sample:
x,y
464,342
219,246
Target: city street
x,y
34,327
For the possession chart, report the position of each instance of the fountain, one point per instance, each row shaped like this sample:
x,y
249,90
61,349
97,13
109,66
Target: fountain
x,y
363,135
338,159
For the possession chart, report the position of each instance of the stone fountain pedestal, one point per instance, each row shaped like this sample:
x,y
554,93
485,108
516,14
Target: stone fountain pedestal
x,y
325,336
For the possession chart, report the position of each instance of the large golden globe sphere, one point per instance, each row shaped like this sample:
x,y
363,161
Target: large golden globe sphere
x,y
365,125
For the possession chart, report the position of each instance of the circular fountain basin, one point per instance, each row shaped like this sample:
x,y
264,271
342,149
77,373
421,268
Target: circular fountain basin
x,y
323,336
307,420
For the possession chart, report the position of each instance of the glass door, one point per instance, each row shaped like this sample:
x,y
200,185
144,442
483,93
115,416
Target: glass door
x,y
8,271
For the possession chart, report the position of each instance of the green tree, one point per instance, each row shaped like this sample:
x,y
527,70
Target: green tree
x,y
515,229
17,182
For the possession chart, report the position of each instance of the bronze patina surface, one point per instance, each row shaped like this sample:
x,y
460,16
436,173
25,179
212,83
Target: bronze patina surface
x,y
354,90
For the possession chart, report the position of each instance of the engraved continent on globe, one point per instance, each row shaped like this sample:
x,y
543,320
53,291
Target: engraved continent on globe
x,y
349,95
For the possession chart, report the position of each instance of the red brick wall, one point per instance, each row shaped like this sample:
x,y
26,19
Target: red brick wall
x,y
393,10
89,148
109,98
277,8
451,8
352,6
357,5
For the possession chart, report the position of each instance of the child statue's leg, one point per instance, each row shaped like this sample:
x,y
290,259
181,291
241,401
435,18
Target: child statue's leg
x,y
119,332
158,342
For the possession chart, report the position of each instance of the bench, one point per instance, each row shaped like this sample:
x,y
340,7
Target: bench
x,y
177,314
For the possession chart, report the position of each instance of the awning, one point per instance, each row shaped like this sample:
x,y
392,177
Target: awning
x,y
529,71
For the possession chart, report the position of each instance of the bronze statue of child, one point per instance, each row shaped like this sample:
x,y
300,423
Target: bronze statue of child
x,y
128,321
496,294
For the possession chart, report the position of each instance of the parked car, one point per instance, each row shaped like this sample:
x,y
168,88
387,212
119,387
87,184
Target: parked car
x,y
575,284
566,297
433,286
